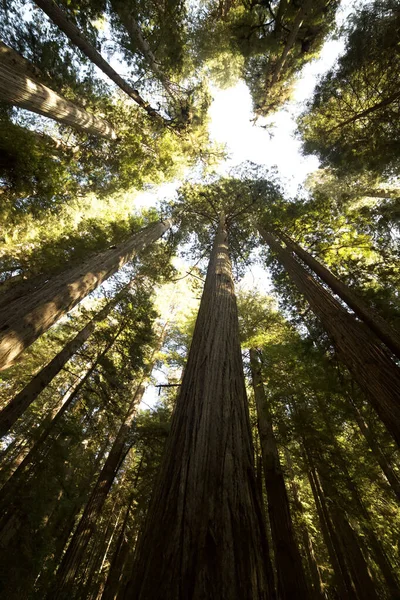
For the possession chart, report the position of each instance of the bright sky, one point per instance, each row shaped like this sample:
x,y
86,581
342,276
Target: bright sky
x,y
231,124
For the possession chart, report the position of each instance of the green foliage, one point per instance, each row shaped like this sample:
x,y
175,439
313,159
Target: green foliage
x,y
351,123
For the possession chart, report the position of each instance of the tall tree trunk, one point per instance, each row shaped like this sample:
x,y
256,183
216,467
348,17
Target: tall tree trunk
x,y
350,543
292,581
306,538
371,366
206,501
135,33
342,577
374,321
380,457
50,426
72,558
20,402
363,516
23,321
297,23
18,88
59,17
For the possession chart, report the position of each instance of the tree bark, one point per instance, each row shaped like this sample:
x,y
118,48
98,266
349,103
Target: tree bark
x,y
292,581
59,17
18,88
374,321
71,562
23,321
20,402
371,366
206,501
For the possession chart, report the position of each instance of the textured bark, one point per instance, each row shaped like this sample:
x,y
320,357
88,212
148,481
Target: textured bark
x,y
380,457
374,321
23,321
72,558
19,89
291,577
213,542
59,17
371,366
31,391
306,539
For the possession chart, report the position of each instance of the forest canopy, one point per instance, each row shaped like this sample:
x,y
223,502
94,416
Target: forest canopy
x,y
199,301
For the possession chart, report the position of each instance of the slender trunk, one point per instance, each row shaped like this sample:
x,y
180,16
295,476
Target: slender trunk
x,y
364,517
23,321
54,419
371,366
206,501
342,577
292,581
367,111
350,543
20,402
297,23
380,457
59,17
72,558
131,25
121,550
19,89
374,321
307,542
97,593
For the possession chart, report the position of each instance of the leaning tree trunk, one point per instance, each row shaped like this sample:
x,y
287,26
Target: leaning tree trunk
x,y
205,504
297,23
49,426
19,89
380,457
306,538
371,366
59,17
342,577
24,398
374,321
67,572
135,33
292,581
23,321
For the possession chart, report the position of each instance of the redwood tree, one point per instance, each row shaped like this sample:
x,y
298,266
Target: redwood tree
x,y
206,503
24,320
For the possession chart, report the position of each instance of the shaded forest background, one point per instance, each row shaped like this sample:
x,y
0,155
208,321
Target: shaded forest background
x,y
267,465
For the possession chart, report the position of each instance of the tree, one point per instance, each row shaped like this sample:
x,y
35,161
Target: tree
x,y
370,365
22,325
351,122
212,487
19,89
67,26
291,576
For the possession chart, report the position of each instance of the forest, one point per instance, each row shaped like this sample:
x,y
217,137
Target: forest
x,y
199,360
